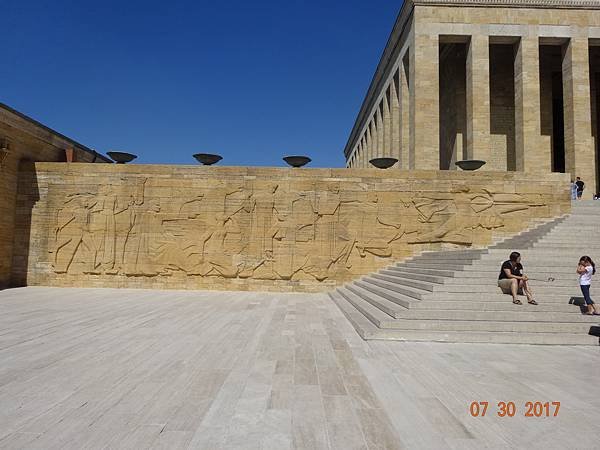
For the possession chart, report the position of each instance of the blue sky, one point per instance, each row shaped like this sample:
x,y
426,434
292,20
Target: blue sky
x,y
252,81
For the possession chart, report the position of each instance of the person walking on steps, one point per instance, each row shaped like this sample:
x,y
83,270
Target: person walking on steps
x,y
573,190
580,187
586,268
512,280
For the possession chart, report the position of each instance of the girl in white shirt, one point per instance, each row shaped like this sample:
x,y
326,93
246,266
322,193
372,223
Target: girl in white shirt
x,y
586,268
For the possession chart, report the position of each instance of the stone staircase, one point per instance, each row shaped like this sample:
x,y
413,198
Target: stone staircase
x,y
452,296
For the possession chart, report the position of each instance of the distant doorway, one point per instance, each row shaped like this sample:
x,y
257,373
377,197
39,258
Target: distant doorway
x,y
502,105
453,106
552,105
595,98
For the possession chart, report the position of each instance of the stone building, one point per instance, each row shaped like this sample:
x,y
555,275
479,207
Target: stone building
x,y
511,82
23,141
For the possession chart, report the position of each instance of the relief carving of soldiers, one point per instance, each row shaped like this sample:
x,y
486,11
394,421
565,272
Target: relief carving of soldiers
x,y
142,247
74,241
446,217
259,230
215,259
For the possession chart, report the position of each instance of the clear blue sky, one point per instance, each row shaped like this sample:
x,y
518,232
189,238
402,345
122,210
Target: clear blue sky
x,y
251,80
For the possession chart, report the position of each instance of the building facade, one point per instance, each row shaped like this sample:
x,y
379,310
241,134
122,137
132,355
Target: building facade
x,y
23,141
511,82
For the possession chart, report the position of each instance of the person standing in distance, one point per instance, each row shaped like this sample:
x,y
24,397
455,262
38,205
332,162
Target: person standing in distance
x,y
580,186
585,269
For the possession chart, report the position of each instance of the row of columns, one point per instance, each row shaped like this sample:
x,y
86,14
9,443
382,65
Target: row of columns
x,y
405,123
386,133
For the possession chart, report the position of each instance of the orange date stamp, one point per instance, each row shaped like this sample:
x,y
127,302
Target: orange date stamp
x,y
509,409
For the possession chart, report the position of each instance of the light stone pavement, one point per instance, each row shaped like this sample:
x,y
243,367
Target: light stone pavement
x,y
93,368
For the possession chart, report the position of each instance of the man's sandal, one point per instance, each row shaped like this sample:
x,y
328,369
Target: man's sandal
x,y
517,301
532,302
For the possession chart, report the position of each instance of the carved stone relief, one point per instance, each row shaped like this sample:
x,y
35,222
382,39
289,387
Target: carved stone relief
x,y
268,230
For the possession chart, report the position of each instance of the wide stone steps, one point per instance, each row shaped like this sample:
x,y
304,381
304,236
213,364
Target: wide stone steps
x,y
475,286
386,288
469,311
452,296
452,320
419,271
376,298
498,305
532,266
547,297
488,276
368,330
493,288
423,285
535,282
450,256
569,246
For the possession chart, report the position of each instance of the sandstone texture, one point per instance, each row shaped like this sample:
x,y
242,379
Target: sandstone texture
x,y
190,227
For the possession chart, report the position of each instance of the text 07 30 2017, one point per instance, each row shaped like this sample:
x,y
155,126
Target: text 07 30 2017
x,y
510,409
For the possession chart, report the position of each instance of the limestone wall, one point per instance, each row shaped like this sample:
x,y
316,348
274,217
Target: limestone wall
x,y
187,227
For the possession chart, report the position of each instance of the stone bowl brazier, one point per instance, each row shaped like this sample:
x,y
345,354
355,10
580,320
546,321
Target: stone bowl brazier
x,y
207,159
297,161
383,163
470,164
121,157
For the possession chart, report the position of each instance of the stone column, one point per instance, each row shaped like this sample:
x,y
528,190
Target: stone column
x,y
363,151
408,156
395,122
369,153
530,156
579,149
386,150
374,138
478,100
379,127
424,101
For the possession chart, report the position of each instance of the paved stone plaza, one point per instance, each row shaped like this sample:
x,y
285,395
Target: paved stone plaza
x,y
169,369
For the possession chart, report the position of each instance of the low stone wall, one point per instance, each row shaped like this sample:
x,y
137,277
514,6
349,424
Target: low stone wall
x,y
184,227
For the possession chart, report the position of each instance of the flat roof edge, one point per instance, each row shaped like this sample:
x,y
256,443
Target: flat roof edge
x,y
61,136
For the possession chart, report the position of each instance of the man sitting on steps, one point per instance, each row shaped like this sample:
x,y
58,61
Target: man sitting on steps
x,y
512,280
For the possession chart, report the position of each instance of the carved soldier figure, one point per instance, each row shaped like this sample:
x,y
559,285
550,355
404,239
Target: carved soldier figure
x,y
74,241
141,248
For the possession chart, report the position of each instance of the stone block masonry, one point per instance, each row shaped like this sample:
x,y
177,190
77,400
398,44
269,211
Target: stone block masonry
x,y
26,140
233,228
511,82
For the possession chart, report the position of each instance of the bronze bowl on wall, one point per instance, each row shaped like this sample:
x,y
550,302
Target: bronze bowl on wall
x,y
121,157
383,163
207,159
470,164
297,161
